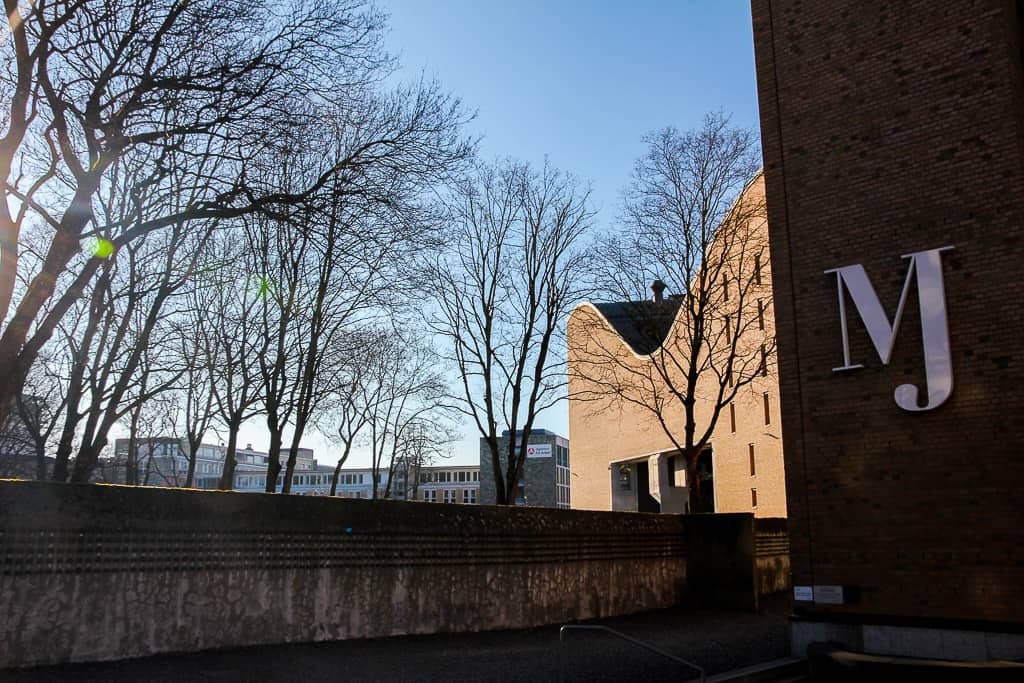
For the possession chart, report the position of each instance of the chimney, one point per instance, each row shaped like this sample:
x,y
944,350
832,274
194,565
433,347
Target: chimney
x,y
658,287
248,446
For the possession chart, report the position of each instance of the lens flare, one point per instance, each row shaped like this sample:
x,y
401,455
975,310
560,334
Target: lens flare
x,y
98,247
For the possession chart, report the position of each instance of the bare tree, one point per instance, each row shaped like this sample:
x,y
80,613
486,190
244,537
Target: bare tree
x,y
228,340
93,85
118,360
503,290
690,227
30,427
349,414
193,399
336,264
404,395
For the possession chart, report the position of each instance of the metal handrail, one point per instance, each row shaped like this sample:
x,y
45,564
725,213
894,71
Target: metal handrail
x,y
618,634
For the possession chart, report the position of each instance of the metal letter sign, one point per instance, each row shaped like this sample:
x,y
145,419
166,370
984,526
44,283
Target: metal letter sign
x,y
931,297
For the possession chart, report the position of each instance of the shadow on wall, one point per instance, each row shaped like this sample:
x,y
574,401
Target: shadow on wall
x,y
95,572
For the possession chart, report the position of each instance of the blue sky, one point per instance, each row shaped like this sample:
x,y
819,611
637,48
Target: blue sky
x,y
577,82
582,82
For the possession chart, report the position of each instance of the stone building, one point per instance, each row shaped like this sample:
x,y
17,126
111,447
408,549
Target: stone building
x,y
624,460
545,480
893,137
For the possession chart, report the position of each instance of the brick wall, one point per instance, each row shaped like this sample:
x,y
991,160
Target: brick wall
x,y
890,128
605,429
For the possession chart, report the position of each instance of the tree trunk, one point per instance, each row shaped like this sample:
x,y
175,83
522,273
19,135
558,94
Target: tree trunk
x,y
293,455
273,460
17,357
193,452
40,460
693,484
131,470
337,469
289,470
227,475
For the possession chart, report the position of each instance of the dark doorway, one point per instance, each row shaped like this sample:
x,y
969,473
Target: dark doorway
x,y
645,502
706,472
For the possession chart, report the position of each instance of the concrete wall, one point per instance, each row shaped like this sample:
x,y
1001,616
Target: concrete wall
x,y
102,572
891,128
771,556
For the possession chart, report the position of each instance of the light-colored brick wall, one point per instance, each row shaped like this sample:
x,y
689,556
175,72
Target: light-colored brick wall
x,y
604,431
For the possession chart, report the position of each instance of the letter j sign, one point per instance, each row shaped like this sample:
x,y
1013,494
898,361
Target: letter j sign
x,y
931,297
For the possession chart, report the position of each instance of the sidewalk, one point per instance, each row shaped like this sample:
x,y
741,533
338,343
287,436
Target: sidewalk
x,y
717,640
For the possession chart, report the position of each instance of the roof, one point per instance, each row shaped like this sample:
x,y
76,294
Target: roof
x,y
643,325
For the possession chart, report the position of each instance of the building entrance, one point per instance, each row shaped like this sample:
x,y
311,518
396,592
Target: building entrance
x,y
645,502
705,470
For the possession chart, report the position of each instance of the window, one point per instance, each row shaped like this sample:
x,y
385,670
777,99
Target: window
x,y
449,495
757,269
760,314
767,412
462,476
764,361
753,498
725,287
430,496
728,329
732,416
753,468
670,463
469,496
625,478
728,374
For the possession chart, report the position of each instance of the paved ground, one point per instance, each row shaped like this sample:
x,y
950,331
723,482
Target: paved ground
x,y
717,640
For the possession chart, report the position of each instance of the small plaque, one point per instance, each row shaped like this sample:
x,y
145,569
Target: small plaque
x,y
828,595
803,593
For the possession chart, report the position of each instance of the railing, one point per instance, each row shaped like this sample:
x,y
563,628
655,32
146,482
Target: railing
x,y
618,634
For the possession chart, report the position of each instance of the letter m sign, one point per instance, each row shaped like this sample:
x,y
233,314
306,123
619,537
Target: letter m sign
x,y
927,266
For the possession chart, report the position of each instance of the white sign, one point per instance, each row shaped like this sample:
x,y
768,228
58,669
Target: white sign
x,y
828,595
803,593
538,450
931,297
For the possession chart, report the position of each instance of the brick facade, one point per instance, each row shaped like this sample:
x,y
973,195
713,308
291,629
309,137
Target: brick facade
x,y
609,433
890,128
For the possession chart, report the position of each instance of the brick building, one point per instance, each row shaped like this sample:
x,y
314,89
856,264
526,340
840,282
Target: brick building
x,y
893,138
622,457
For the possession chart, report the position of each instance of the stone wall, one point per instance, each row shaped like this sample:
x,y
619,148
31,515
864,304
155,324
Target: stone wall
x,y
104,572
771,555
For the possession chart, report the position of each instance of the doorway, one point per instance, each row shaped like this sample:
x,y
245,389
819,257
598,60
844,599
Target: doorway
x,y
706,472
645,502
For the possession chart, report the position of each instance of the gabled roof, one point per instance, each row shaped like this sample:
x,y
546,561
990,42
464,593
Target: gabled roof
x,y
643,325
